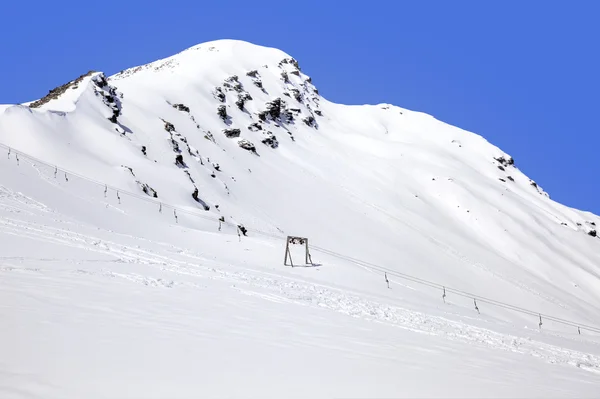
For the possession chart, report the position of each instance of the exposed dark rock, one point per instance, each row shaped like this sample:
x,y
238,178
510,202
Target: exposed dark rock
x,y
179,161
241,101
187,172
222,112
169,127
219,95
270,140
252,74
247,145
58,91
274,108
181,107
198,200
129,169
258,84
232,133
148,190
232,83
501,167
175,145
291,61
310,121
318,112
505,162
209,136
297,73
101,81
254,127
242,229
144,150
592,233
297,95
502,180
510,178
285,77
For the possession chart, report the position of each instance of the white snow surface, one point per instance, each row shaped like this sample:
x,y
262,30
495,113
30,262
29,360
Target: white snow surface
x,y
105,296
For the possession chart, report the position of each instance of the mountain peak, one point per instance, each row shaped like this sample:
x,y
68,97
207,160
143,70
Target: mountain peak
x,y
211,56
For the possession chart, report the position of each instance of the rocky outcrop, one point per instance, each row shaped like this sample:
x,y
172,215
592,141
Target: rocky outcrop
x,y
247,145
270,140
232,133
60,90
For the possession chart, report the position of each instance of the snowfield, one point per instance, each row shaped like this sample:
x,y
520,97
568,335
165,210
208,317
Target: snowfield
x,y
122,272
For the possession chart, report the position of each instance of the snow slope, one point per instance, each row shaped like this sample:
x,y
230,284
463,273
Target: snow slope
x,y
106,296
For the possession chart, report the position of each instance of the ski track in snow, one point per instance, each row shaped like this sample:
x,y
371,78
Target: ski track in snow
x,y
283,289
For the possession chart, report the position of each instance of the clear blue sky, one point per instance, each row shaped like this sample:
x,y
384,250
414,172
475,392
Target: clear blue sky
x,y
523,74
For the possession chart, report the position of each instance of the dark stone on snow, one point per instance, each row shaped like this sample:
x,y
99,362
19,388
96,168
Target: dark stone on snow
x,y
219,95
310,121
169,127
222,112
242,98
179,161
274,108
505,162
181,107
254,127
232,133
246,145
270,140
149,190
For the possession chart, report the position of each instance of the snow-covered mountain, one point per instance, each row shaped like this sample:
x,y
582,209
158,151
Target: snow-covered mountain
x,y
235,132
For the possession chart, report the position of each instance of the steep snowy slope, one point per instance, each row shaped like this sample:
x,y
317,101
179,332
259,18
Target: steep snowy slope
x,y
231,130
